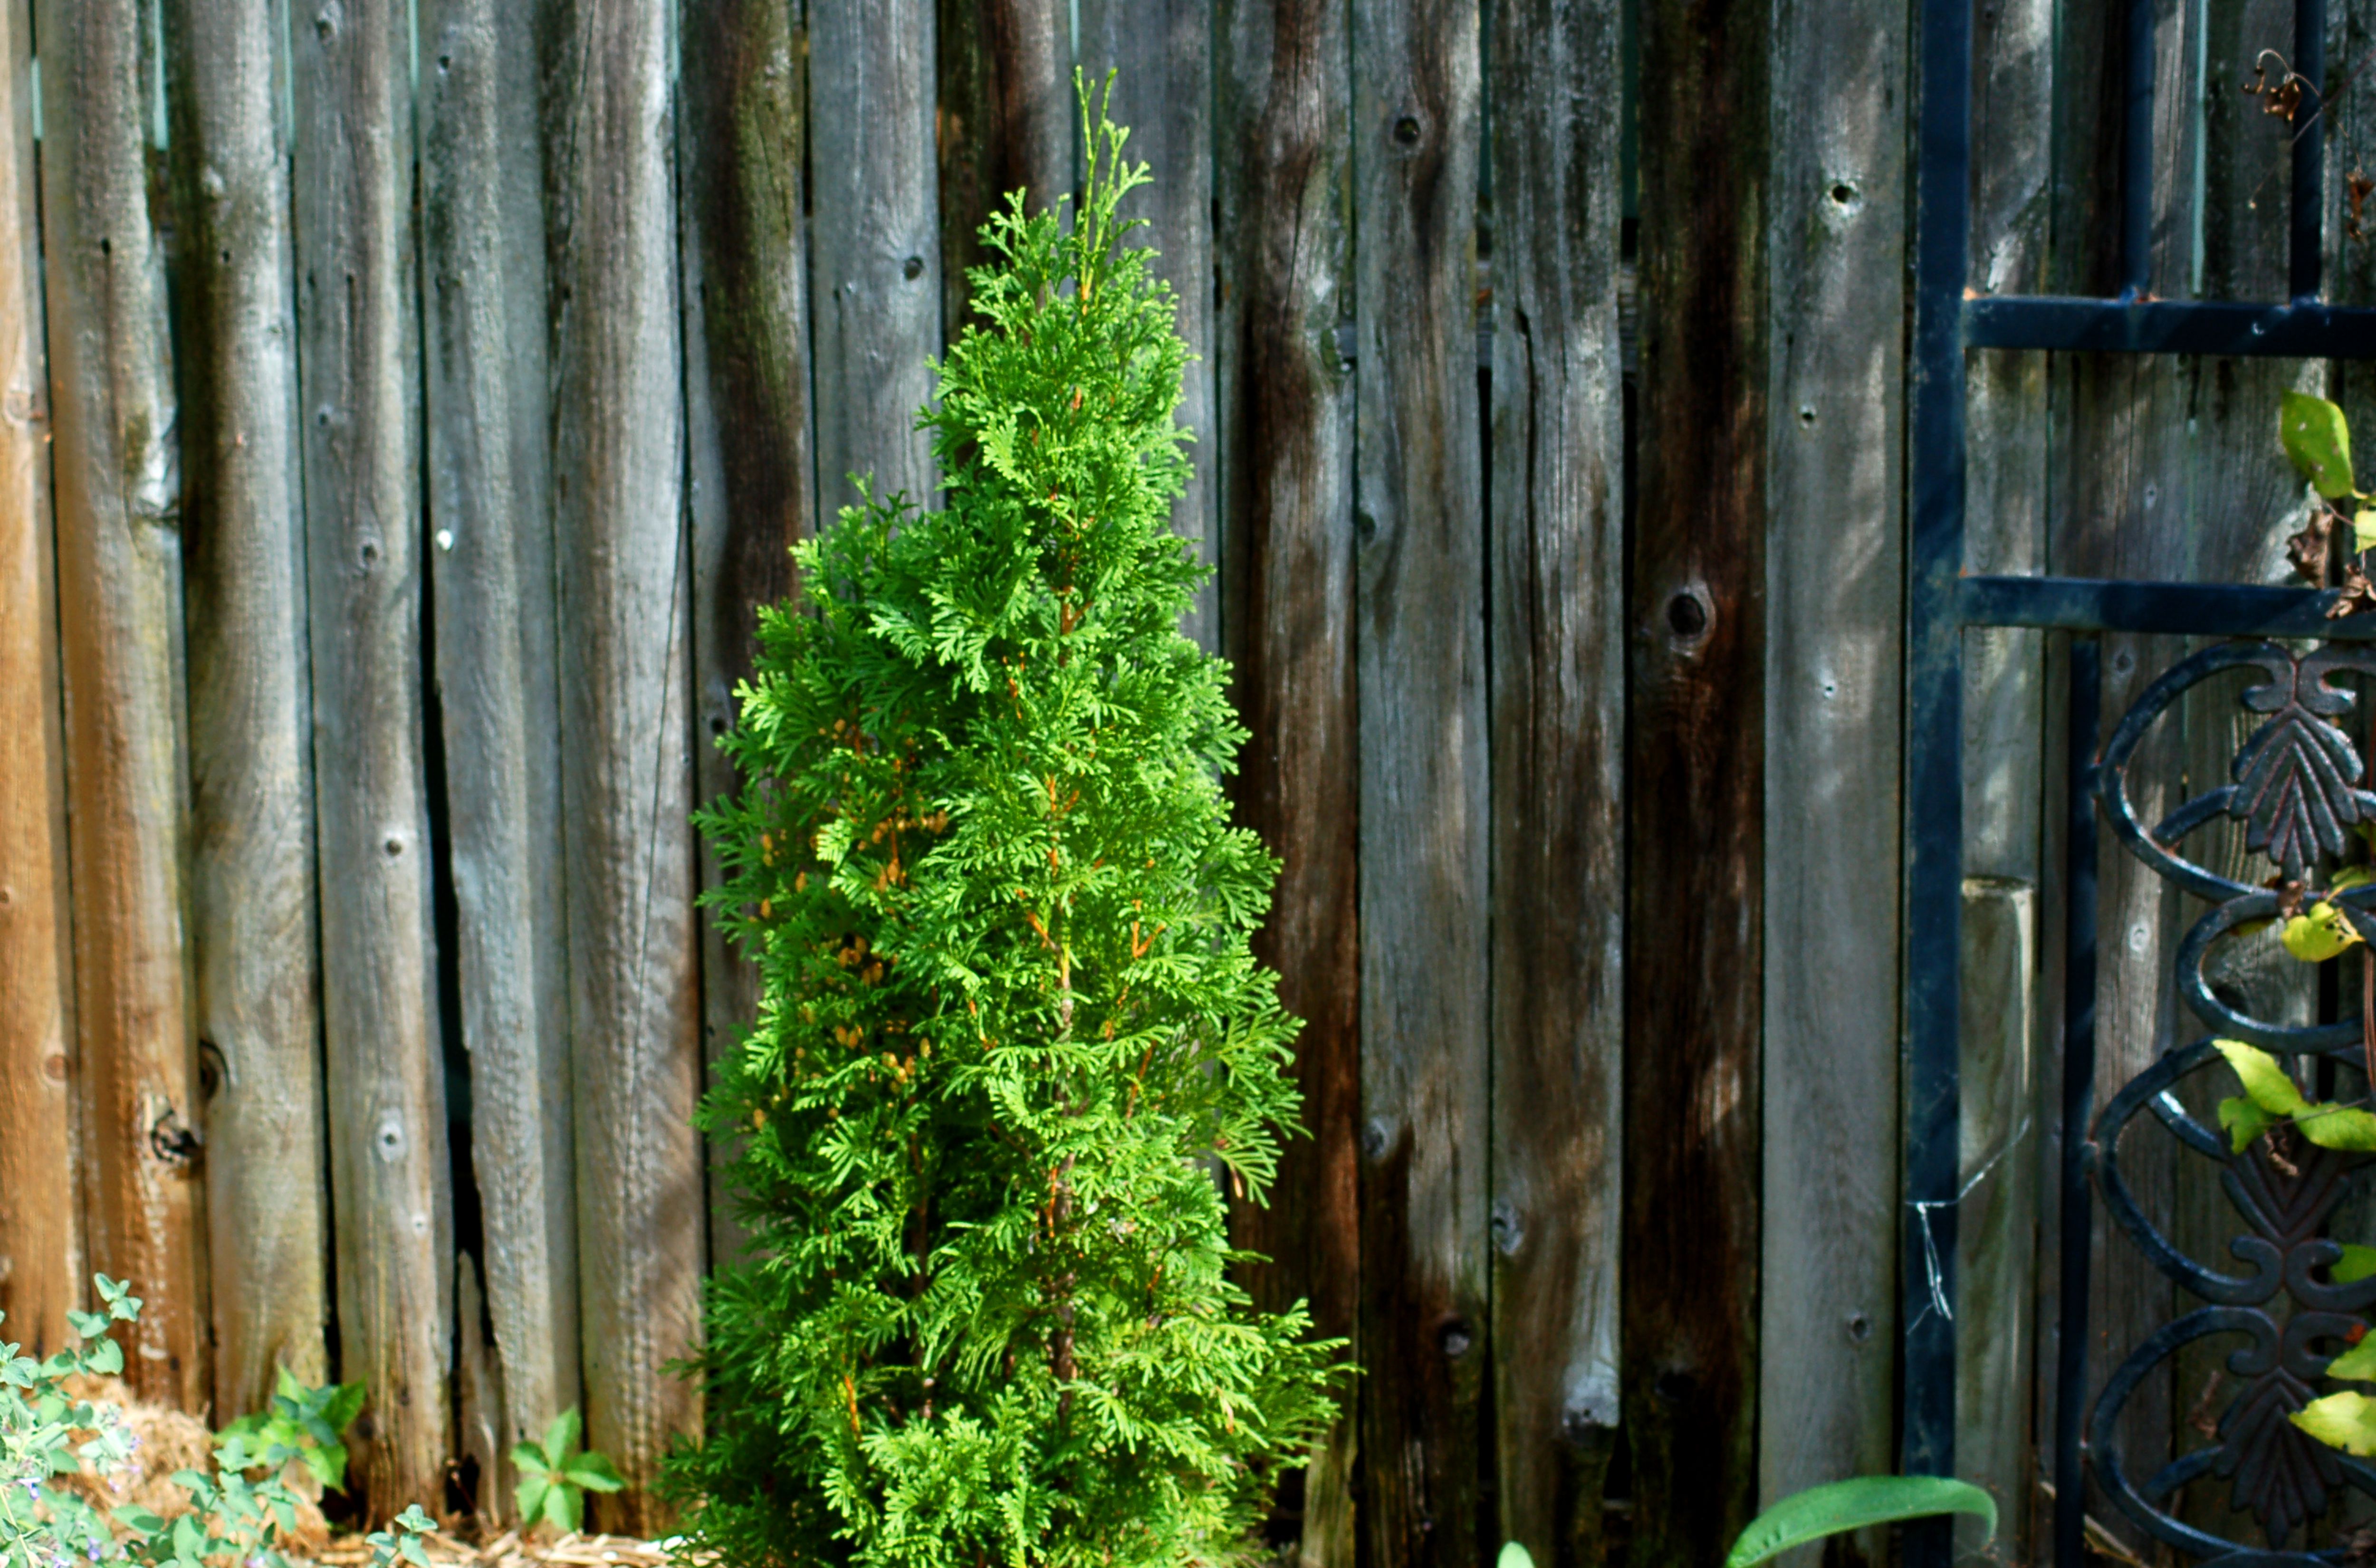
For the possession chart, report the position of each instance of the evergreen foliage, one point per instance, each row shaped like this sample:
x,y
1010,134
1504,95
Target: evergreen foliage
x,y
1010,1031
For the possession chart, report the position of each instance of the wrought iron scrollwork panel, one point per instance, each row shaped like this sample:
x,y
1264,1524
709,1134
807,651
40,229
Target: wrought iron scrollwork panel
x,y
2297,788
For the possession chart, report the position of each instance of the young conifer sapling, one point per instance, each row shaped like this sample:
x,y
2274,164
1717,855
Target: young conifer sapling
x,y
1012,1040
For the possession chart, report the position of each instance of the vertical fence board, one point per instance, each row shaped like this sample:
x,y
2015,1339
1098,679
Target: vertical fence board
x,y
1006,121
627,732
1162,53
251,722
2122,515
359,406
2000,1247
875,255
746,351
1558,736
1285,453
119,561
1996,1229
499,686
1421,661
2352,230
1834,572
41,1262
1695,781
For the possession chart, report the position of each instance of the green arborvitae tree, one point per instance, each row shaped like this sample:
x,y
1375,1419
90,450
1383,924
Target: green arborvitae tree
x,y
1011,1040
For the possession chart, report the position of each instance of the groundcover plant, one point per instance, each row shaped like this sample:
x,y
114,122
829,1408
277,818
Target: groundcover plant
x,y
1013,1043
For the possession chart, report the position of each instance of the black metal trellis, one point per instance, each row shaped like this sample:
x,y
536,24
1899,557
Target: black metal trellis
x,y
2283,1211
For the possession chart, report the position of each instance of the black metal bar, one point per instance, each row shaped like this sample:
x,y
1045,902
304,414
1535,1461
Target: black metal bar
x,y
2309,151
2136,156
2210,610
1932,825
2170,326
2078,1103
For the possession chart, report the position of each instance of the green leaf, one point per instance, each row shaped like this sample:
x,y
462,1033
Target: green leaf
x,y
329,1464
140,1520
565,1506
2356,1264
286,1385
2321,935
2358,1363
346,1402
531,1496
2263,1079
413,1553
530,1459
560,1437
2339,1127
2363,529
2345,1420
2274,1097
594,1472
1514,1556
2319,441
89,1325
2245,1121
1851,1505
106,1358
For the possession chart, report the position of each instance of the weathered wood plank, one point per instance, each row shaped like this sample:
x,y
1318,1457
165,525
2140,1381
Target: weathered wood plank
x,y
2350,270
358,339
626,731
1557,561
492,580
479,1420
1419,654
2120,509
1006,121
1996,1231
119,562
1695,781
1833,570
2000,1253
251,722
1161,53
875,255
40,1238
1286,475
746,352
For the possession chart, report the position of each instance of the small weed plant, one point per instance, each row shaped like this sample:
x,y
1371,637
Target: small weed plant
x,y
302,1426
555,1476
1012,1042
47,1434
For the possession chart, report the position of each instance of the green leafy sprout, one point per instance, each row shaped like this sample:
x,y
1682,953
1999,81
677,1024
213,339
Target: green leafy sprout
x,y
46,1435
556,1477
306,1426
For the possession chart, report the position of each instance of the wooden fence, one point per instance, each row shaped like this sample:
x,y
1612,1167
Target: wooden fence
x,y
406,402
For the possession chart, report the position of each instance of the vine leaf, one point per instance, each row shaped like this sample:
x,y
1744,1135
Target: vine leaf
x,y
2318,441
2324,932
2270,1098
2345,1420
